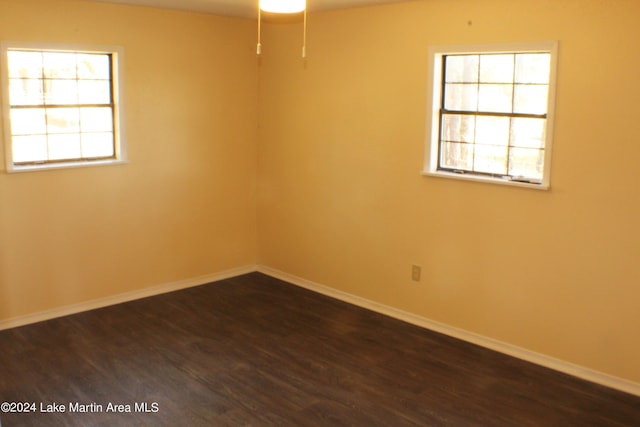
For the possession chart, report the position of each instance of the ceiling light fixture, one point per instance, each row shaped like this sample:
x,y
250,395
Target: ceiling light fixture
x,y
282,6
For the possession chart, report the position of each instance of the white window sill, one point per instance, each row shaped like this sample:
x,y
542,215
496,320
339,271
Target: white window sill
x,y
486,179
70,165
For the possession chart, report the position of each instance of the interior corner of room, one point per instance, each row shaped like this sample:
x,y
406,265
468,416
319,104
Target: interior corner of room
x,y
309,169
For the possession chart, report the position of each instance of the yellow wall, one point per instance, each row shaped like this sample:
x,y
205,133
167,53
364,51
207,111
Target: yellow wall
x,y
342,201
337,158
183,207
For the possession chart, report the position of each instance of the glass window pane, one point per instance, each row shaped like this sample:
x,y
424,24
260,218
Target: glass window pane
x,y
526,163
25,92
527,133
99,119
28,121
64,147
456,156
495,98
492,130
31,148
59,65
63,120
25,64
458,128
490,159
94,92
97,145
461,97
496,68
462,68
533,68
531,99
93,66
61,105
61,92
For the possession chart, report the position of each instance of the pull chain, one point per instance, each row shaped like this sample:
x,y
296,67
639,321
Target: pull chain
x,y
259,47
304,33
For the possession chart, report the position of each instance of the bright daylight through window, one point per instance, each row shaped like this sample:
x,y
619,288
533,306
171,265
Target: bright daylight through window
x,y
492,113
61,107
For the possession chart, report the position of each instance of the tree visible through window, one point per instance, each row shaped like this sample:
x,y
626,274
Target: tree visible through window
x,y
62,107
492,114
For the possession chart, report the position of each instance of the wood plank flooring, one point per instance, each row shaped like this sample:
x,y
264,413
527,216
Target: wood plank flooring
x,y
255,351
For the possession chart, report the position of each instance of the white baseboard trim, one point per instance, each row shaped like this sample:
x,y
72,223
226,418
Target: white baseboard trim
x,y
125,297
499,346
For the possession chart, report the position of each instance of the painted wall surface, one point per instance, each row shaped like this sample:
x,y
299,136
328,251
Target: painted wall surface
x,y
342,201
337,160
183,206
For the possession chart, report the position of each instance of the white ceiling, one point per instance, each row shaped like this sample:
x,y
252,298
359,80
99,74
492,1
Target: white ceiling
x,y
242,8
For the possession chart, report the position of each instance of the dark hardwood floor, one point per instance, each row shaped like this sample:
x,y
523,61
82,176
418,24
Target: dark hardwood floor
x,y
256,351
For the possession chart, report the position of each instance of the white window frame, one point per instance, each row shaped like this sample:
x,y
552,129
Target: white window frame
x,y
436,54
117,55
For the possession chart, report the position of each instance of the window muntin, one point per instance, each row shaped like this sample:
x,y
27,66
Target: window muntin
x,y
492,113
61,108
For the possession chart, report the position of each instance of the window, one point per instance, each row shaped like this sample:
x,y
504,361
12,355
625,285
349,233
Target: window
x,y
61,106
492,113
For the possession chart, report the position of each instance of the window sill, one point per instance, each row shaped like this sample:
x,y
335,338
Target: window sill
x,y
70,165
486,179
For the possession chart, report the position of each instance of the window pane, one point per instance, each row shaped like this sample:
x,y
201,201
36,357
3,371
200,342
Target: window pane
x,y
461,97
92,66
61,92
28,121
456,156
491,103
527,133
64,147
63,120
495,98
462,68
531,99
25,64
526,163
60,105
533,68
496,68
458,128
490,159
492,130
29,148
59,65
98,119
97,145
25,92
94,92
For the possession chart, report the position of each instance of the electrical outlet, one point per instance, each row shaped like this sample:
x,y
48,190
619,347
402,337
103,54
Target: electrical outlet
x,y
416,271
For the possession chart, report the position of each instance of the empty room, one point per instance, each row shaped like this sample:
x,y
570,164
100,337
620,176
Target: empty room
x,y
358,212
